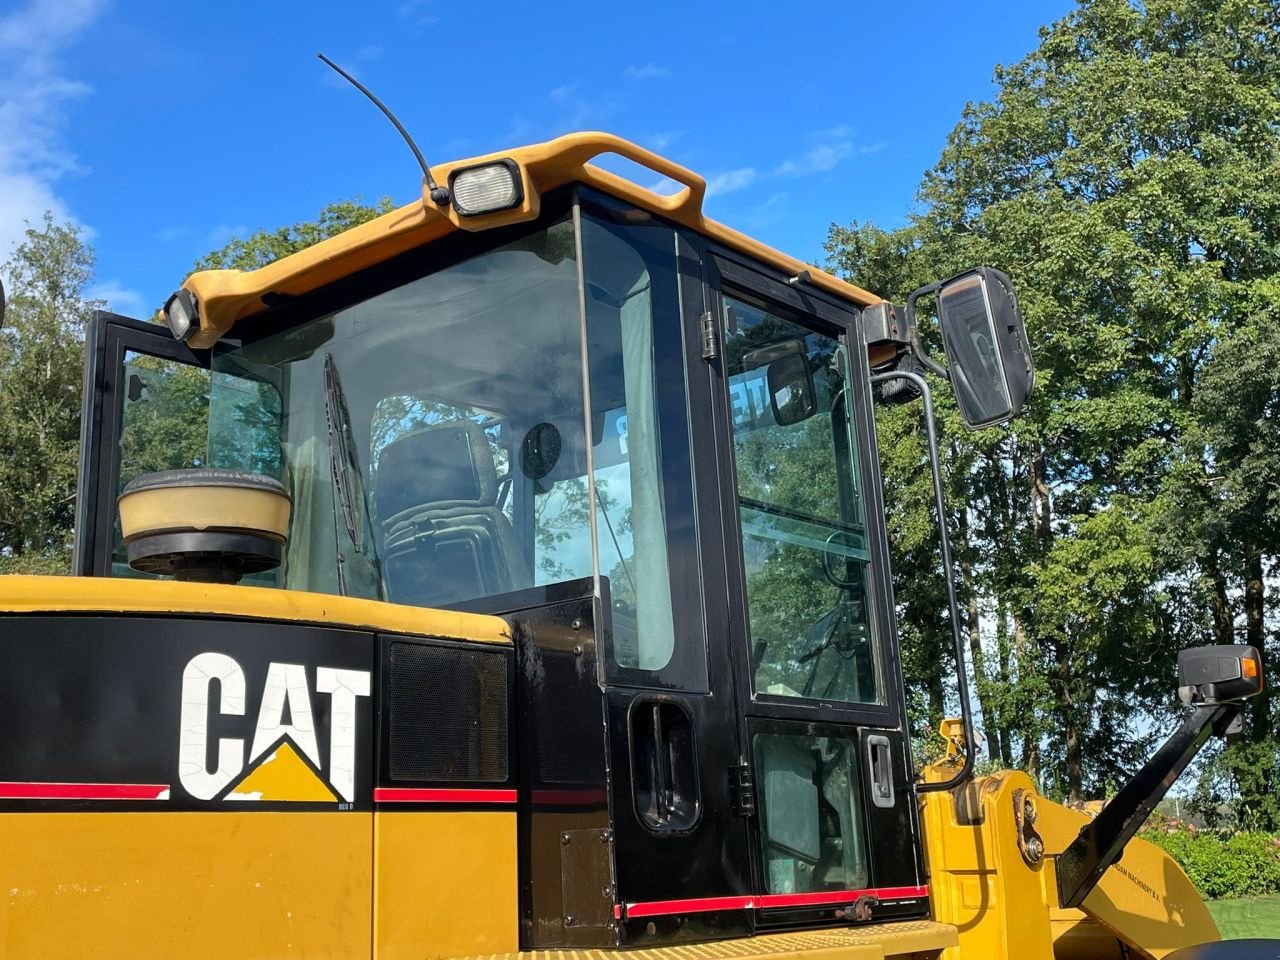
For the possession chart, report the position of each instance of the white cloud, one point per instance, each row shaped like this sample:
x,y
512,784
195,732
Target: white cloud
x,y
119,298
830,148
562,93
770,212
223,234
34,96
369,52
172,233
660,141
649,71
731,180
416,10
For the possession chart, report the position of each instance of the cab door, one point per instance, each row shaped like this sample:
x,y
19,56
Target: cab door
x,y
680,820
819,689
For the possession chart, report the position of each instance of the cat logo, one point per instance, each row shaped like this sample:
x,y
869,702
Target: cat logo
x,y
283,763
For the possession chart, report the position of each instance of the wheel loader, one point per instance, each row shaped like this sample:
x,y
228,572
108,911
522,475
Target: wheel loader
x,y
507,577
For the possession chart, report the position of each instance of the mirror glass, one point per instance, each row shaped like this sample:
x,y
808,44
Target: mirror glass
x,y
988,359
788,380
791,389
1,303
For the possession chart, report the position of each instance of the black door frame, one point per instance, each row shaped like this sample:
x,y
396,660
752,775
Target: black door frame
x,y
895,843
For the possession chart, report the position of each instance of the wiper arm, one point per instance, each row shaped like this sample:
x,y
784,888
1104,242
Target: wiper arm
x,y
342,460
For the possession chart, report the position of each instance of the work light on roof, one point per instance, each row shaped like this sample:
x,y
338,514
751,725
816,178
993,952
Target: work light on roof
x,y
182,315
487,188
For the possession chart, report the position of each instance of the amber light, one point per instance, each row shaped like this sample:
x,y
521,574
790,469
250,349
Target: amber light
x,y
1249,668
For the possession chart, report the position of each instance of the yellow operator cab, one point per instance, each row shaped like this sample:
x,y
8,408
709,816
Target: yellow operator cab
x,y
508,574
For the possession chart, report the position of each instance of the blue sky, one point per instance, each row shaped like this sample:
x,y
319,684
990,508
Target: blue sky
x,y
166,128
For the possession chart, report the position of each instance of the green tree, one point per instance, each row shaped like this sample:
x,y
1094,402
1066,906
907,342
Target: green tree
x,y
41,367
1126,174
266,246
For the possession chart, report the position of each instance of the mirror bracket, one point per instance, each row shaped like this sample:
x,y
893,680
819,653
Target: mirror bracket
x,y
887,323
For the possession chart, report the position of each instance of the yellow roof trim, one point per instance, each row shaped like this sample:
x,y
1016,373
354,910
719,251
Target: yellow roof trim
x,y
227,296
23,594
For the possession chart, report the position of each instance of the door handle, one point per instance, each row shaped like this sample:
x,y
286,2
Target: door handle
x,y
664,768
880,767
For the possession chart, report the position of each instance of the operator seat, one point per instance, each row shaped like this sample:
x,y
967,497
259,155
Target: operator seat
x,y
444,537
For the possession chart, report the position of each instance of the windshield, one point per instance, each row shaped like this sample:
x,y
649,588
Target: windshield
x,y
436,442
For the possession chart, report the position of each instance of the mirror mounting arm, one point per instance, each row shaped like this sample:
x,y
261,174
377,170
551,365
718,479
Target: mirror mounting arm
x,y
953,606
1102,840
913,329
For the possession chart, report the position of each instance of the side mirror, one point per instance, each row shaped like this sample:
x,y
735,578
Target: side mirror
x,y
1,303
1219,674
788,380
988,355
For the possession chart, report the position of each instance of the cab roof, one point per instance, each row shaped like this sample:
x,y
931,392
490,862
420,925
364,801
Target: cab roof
x,y
225,297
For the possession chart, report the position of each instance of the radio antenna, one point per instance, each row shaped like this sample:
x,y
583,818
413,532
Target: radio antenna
x,y
439,195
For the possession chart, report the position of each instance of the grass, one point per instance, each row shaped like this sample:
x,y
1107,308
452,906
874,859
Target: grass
x,y
1247,917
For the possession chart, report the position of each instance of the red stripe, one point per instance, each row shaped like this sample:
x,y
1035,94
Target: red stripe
x,y
656,908
437,795
84,791
838,896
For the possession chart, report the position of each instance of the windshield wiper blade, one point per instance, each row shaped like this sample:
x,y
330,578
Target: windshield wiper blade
x,y
341,455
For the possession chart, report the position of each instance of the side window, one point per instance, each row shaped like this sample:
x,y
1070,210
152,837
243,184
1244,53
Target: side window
x,y
175,416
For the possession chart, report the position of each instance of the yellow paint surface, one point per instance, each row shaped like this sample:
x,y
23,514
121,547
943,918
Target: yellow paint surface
x,y
1145,898
226,296
156,885
445,884
283,775
119,595
1007,909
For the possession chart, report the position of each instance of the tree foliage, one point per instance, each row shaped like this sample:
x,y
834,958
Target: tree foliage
x,y
1127,175
41,363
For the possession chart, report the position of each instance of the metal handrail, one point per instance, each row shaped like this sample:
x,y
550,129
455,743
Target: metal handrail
x,y
962,680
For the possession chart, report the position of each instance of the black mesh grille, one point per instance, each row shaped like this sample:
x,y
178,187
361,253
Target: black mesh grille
x,y
448,714
567,747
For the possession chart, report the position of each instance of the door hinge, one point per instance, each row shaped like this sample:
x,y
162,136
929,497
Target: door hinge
x,y
709,351
742,788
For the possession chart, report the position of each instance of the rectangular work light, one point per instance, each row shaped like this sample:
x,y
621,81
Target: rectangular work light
x,y
182,315
487,188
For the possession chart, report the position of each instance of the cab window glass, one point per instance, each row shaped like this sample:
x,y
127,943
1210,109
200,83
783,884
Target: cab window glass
x,y
177,416
804,536
645,536
812,820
